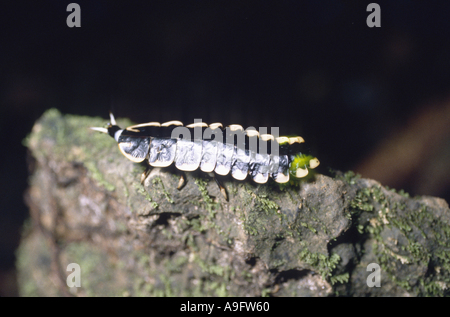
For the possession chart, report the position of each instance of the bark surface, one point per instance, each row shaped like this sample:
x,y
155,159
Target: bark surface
x,y
316,238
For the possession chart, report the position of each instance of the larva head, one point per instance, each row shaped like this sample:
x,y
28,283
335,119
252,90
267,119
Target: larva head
x,y
112,129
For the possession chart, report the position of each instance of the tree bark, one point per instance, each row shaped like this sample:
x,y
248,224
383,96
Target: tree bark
x,y
314,238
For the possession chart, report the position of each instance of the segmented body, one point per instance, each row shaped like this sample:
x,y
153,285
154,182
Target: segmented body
x,y
206,147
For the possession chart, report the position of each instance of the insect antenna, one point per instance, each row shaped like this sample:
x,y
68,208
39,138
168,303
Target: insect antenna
x,y
113,120
103,130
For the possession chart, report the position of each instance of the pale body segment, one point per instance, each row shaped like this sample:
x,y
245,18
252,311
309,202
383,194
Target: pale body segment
x,y
206,148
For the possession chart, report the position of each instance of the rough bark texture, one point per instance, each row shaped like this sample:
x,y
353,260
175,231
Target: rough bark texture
x,y
88,207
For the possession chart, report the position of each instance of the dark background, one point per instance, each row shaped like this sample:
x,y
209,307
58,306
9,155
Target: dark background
x,y
312,68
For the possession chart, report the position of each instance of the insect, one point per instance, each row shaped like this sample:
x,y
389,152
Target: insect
x,y
213,148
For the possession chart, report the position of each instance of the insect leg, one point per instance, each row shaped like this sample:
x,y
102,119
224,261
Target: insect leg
x,y
182,181
145,174
222,189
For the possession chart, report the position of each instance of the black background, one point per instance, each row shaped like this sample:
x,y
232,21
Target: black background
x,y
312,68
